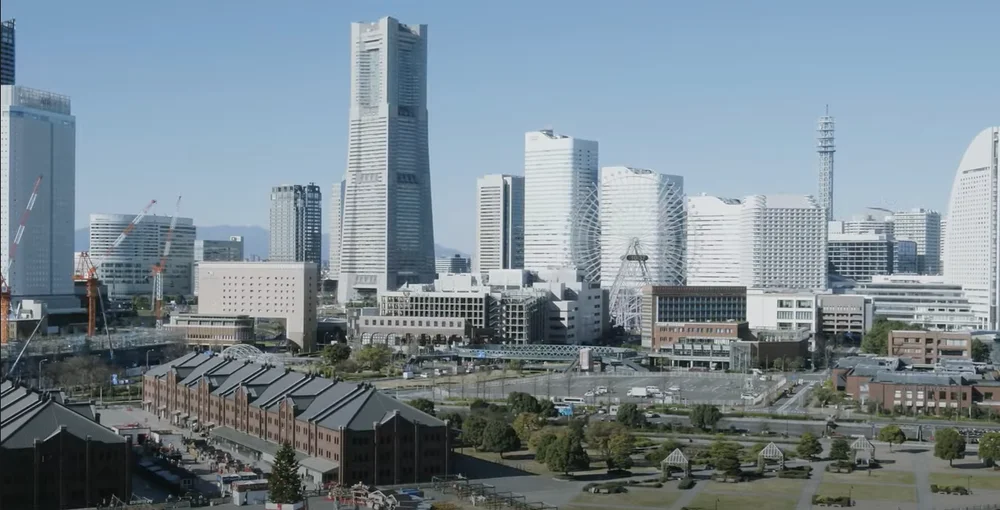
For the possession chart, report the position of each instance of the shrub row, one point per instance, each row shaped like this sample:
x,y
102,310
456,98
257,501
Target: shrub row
x,y
956,489
797,475
831,500
686,484
609,487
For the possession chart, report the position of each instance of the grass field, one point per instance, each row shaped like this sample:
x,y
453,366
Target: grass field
x,y
978,481
877,476
773,486
652,498
707,501
865,492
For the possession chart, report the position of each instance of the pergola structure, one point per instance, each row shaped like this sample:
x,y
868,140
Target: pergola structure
x,y
864,451
676,459
773,453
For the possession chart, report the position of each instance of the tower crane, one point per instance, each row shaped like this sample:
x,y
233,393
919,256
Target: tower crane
x,y
5,289
161,266
86,270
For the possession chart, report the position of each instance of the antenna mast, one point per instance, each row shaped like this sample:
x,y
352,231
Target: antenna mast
x,y
825,148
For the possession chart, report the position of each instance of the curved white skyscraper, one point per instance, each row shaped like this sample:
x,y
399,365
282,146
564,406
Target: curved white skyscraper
x,y
387,237
972,239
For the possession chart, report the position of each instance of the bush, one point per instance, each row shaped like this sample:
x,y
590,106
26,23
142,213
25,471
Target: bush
x,y
686,484
793,474
831,500
605,488
945,489
841,466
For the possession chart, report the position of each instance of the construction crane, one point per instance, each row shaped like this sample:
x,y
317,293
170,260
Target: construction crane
x,y
5,288
161,266
86,271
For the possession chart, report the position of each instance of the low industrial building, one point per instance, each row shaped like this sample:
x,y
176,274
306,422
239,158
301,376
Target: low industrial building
x,y
56,455
689,304
726,345
342,432
213,330
845,315
928,302
930,347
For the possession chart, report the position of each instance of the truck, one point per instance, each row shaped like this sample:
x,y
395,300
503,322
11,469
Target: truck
x,y
638,391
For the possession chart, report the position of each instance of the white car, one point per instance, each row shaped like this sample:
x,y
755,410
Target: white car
x,y
675,388
589,393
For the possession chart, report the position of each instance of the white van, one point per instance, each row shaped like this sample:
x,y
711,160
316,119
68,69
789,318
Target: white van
x,y
573,400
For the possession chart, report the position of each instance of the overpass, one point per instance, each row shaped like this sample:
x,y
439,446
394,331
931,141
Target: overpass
x,y
538,352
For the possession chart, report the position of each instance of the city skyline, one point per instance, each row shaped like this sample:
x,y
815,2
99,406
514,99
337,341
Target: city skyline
x,y
776,155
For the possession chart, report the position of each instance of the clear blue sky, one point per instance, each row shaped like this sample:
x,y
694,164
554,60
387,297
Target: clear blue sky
x,y
219,100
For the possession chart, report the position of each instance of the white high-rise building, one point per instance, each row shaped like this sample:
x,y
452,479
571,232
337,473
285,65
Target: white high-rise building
x,y
644,207
296,233
972,240
499,222
944,231
559,173
866,224
128,269
388,228
924,228
38,140
783,242
336,225
714,238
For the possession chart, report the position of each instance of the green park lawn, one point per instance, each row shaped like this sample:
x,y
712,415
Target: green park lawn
x,y
868,492
987,482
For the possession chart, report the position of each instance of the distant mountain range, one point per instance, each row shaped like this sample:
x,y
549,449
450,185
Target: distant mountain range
x,y
255,240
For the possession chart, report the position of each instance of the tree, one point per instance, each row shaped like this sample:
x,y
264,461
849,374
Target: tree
x,y
725,456
374,357
989,448
284,484
335,353
479,405
796,364
620,448
876,340
547,409
472,430
140,302
520,402
665,449
599,435
891,434
949,445
526,424
809,446
566,454
705,416
541,441
422,404
455,419
499,436
778,364
840,450
630,416
980,351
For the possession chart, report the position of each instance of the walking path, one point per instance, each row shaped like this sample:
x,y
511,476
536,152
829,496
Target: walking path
x,y
687,496
812,485
925,498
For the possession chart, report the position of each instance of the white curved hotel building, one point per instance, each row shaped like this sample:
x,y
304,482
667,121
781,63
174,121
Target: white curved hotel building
x,y
972,240
128,269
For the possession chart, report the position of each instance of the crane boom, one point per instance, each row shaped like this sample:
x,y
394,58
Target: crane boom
x,y
161,266
5,290
131,226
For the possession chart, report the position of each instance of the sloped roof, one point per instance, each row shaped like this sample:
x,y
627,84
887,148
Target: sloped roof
x,y
863,444
165,368
42,419
202,369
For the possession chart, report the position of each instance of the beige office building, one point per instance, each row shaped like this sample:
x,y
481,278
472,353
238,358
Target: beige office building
x,y
272,290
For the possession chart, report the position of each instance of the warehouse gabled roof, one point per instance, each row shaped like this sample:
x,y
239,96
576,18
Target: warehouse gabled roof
x,y
32,416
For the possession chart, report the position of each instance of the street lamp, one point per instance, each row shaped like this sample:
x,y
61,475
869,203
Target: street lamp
x,y
850,492
147,359
716,503
43,360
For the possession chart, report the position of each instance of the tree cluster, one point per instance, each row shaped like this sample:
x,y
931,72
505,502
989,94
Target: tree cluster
x,y
840,450
631,416
809,446
336,353
374,357
726,456
560,451
615,443
423,404
705,416
949,445
876,340
989,448
980,351
79,371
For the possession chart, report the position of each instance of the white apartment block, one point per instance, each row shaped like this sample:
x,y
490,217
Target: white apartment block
x,y
927,301
714,239
128,269
499,223
867,224
38,140
272,290
924,228
387,239
972,242
336,225
644,207
452,265
576,311
944,231
783,310
859,256
783,242
559,173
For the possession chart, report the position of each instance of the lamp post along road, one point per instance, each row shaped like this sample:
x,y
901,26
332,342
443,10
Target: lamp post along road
x,y
40,371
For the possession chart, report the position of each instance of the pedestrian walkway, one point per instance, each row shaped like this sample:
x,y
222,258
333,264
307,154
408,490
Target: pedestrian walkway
x,y
925,498
812,485
687,496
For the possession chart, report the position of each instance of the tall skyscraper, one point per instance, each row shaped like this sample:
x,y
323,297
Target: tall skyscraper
x,y
972,239
39,139
388,228
559,173
713,240
924,228
783,242
944,233
499,222
296,233
8,55
643,208
825,147
336,225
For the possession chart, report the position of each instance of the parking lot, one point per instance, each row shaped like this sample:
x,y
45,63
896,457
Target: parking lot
x,y
710,387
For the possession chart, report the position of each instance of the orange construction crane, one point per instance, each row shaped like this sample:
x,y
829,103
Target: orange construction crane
x,y
161,266
5,288
86,270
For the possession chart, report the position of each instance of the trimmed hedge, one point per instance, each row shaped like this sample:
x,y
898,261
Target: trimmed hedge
x,y
686,484
842,501
794,474
609,488
945,489
841,466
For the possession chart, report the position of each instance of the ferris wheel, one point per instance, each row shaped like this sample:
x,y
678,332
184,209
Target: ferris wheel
x,y
630,232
